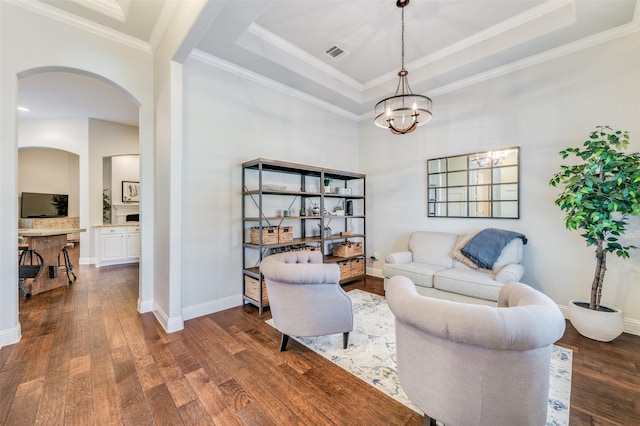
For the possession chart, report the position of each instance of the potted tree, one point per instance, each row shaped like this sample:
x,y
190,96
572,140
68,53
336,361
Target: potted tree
x,y
600,193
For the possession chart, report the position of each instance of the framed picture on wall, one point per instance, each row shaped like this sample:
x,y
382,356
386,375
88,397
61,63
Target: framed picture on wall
x,y
130,191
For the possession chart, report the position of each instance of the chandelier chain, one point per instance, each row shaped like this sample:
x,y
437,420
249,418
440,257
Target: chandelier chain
x,y
402,38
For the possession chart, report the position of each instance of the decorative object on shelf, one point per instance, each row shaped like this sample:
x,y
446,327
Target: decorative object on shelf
x,y
130,191
316,210
600,193
399,113
286,213
326,229
327,185
339,210
303,212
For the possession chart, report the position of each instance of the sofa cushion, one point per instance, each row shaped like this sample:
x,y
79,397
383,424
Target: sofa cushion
x,y
421,274
468,282
433,248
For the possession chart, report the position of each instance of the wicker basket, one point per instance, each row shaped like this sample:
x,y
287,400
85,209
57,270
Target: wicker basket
x,y
285,234
269,235
357,266
347,249
345,269
252,291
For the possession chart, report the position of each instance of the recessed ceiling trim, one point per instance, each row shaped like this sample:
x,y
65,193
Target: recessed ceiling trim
x,y
561,11
81,23
260,79
301,55
116,9
567,49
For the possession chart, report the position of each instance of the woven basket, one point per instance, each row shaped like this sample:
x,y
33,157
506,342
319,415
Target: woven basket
x,y
357,266
347,249
252,291
269,235
285,234
345,269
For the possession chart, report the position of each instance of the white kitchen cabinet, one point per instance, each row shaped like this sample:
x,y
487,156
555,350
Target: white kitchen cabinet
x,y
117,245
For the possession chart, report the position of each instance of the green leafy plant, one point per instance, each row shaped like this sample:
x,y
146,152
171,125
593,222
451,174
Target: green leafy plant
x,y
327,181
106,206
600,193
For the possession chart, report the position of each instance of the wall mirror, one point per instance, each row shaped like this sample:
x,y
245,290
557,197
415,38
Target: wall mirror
x,y
480,184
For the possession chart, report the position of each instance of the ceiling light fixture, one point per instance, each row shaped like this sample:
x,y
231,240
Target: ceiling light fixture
x,y
24,109
403,112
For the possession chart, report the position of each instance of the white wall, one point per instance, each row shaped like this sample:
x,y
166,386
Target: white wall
x,y
542,109
50,171
229,120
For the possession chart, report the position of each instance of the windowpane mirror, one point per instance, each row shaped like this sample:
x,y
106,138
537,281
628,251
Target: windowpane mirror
x,y
480,184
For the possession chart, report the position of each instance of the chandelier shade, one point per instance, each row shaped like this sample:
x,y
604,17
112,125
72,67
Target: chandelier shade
x,y
404,111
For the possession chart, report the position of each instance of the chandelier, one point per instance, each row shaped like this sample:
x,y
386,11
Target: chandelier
x,y
404,111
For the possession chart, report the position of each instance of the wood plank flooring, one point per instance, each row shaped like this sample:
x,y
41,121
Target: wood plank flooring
x,y
87,357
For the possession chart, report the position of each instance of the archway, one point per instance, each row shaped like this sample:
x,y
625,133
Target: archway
x,y
71,110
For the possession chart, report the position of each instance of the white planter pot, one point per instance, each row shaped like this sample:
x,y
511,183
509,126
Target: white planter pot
x,y
597,325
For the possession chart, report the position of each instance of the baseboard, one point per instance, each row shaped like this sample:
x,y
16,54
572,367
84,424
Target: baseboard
x,y
87,260
375,272
207,308
631,326
170,324
10,336
145,306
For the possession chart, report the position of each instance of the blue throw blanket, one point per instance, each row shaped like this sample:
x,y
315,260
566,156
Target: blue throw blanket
x,y
485,247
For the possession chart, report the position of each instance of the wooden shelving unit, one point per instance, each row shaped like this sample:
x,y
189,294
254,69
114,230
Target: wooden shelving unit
x,y
270,187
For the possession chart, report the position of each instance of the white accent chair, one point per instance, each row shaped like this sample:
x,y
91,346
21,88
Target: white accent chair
x,y
466,364
305,296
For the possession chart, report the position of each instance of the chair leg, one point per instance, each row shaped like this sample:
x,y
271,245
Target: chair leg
x,y
23,289
283,342
68,266
345,340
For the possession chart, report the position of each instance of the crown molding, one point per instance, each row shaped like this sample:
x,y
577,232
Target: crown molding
x,y
162,23
81,23
267,82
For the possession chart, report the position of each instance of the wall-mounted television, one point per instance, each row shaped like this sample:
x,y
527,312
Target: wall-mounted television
x,y
35,204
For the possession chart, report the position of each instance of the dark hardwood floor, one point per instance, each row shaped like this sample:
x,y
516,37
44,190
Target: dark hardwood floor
x,y
87,357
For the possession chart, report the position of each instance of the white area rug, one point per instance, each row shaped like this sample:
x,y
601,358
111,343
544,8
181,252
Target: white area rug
x,y
371,355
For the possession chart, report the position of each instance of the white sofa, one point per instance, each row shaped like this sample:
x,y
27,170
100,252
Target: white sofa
x,y
435,263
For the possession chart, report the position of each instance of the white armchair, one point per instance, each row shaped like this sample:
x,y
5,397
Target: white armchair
x,y
305,296
466,364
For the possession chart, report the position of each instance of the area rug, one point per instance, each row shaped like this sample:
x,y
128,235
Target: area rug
x,y
371,355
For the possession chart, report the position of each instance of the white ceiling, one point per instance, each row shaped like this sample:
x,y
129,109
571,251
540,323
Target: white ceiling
x,y
447,42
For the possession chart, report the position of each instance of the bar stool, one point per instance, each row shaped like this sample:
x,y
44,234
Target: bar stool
x,y
30,270
68,266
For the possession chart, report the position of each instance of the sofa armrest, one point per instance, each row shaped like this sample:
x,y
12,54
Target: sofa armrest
x,y
399,257
510,273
